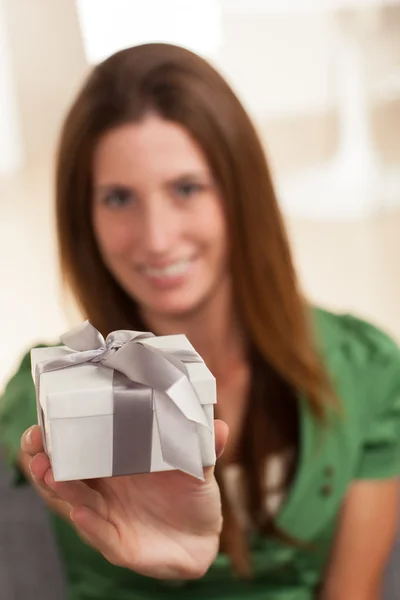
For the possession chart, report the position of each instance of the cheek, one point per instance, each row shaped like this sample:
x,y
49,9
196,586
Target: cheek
x,y
113,235
214,227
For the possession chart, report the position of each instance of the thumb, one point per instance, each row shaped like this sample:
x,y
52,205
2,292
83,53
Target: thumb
x,y
221,432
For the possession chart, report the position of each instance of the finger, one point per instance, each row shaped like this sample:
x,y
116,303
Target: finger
x,y
97,532
31,441
73,492
39,465
77,494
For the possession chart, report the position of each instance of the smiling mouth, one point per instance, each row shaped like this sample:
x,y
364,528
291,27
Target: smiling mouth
x,y
179,267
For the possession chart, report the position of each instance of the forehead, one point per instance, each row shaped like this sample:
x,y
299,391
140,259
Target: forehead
x,y
152,147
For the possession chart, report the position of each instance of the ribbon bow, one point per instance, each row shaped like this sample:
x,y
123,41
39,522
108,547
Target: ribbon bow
x,y
162,372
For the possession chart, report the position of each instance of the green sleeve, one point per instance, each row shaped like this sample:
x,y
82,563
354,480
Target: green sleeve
x,y
17,413
380,401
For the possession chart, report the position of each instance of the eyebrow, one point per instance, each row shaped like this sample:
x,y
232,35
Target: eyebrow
x,y
189,175
111,186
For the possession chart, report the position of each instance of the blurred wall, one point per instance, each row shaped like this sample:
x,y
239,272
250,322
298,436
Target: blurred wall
x,y
280,65
11,147
280,68
283,68
48,64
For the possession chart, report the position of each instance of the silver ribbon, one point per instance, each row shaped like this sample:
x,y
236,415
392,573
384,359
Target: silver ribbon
x,y
148,383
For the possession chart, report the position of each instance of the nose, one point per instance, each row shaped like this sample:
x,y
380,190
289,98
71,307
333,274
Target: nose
x,y
160,228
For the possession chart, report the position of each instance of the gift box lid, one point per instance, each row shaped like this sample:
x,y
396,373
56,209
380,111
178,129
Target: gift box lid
x,y
40,354
86,389
200,375
78,391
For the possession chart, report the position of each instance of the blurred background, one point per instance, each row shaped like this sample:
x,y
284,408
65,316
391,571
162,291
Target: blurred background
x,y
321,79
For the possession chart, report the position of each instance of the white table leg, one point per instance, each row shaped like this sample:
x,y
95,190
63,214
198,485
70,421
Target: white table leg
x,y
354,184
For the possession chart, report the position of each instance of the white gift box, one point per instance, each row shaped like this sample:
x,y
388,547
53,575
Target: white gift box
x,y
77,410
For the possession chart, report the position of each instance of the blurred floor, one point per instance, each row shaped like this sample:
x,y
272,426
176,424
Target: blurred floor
x,y
346,266
30,567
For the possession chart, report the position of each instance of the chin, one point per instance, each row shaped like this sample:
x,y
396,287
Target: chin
x,y
176,308
176,311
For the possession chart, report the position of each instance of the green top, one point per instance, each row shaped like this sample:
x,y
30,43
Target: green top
x,y
364,442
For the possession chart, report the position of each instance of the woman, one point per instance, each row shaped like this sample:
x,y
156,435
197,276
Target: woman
x,y
168,222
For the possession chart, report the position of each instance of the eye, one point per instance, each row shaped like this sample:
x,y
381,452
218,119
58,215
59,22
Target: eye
x,y
187,189
118,197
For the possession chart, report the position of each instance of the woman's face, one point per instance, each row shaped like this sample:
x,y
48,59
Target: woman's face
x,y
158,216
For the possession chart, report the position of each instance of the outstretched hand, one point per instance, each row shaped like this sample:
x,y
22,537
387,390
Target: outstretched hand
x,y
163,525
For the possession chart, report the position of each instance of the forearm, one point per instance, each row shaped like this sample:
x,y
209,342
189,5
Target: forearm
x,y
335,591
341,595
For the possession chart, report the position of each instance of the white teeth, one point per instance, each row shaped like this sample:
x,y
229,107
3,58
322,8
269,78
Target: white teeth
x,y
177,268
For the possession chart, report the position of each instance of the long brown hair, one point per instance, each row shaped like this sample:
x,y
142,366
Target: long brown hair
x,y
183,88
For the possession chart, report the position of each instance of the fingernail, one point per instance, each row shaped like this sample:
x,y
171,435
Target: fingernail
x,y
29,437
